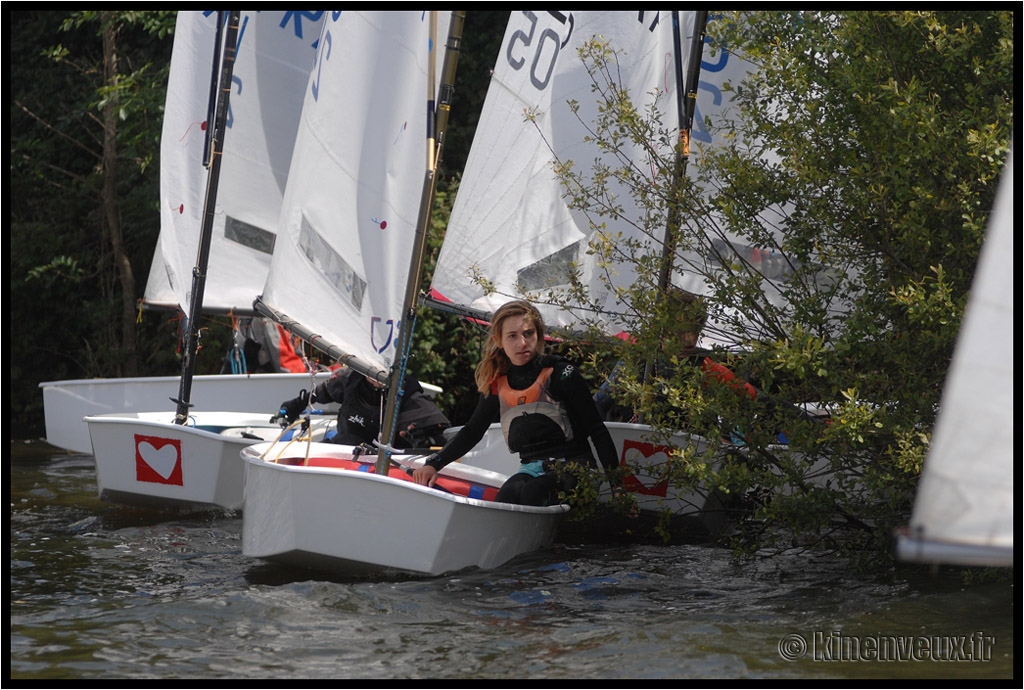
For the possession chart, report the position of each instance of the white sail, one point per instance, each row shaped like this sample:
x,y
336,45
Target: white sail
x,y
963,512
274,57
509,224
351,207
510,227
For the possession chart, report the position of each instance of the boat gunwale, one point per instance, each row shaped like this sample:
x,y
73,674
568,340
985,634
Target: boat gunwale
x,y
249,456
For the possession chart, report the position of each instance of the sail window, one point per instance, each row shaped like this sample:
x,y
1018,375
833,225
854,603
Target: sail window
x,y
550,271
771,265
249,235
349,284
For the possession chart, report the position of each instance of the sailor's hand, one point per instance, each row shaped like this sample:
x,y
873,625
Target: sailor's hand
x,y
425,475
409,435
291,409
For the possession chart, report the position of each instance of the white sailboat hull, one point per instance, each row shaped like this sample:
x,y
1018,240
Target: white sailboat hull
x,y
143,458
66,403
359,523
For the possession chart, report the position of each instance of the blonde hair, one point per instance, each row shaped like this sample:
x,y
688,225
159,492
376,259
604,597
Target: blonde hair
x,y
495,362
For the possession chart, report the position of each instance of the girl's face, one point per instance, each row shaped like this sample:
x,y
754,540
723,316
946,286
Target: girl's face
x,y
519,339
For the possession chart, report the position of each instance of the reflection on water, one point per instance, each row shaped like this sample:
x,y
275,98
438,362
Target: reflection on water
x,y
106,591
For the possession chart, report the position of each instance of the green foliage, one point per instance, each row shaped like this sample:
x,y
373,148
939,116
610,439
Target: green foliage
x,y
61,268
883,159
863,150
67,311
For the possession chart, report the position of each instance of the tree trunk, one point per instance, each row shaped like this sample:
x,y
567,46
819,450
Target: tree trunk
x,y
111,212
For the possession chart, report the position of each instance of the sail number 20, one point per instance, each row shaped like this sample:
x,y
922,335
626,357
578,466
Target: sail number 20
x,y
545,49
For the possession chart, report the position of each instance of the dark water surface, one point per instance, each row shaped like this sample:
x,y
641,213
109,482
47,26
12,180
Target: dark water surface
x,y
100,591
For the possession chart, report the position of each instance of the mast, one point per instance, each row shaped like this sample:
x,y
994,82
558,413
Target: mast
x,y
437,121
685,107
213,160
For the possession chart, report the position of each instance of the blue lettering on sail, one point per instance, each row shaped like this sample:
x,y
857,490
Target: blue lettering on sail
x,y
701,132
321,58
231,117
565,19
723,54
723,59
241,33
374,320
313,17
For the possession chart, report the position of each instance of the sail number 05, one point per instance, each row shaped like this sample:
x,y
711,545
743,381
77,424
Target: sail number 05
x,y
545,49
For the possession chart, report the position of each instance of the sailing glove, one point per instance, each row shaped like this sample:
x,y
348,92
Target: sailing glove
x,y
291,409
434,460
426,437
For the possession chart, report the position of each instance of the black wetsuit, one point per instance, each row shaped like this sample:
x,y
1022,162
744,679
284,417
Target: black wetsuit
x,y
571,391
361,405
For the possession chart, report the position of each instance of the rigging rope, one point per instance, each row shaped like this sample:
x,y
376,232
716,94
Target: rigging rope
x,y
401,364
237,356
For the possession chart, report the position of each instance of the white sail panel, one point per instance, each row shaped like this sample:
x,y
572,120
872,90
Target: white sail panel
x,y
963,512
511,229
274,57
182,177
510,225
355,182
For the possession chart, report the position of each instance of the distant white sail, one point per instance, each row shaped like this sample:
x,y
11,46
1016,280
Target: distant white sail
x,y
350,211
963,512
275,54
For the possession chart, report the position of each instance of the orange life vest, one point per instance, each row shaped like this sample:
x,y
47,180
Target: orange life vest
x,y
531,418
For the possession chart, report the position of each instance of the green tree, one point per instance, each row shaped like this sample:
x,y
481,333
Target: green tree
x,y
863,151
88,93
